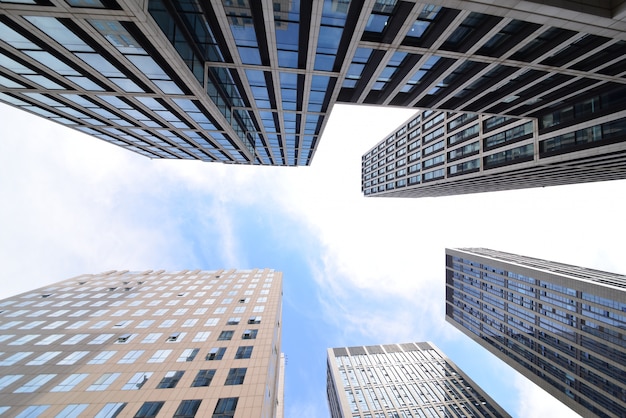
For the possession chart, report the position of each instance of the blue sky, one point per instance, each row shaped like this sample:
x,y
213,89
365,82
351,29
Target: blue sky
x,y
356,271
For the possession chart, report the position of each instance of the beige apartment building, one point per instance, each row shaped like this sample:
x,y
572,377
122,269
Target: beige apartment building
x,y
145,344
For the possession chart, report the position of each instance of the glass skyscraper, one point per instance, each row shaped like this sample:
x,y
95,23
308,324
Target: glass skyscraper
x,y
561,326
145,344
411,380
253,82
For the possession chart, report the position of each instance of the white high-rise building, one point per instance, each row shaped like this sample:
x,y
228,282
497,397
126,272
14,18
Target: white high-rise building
x,y
412,380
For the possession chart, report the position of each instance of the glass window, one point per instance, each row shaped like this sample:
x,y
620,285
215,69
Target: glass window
x,y
7,380
159,356
111,410
137,381
152,337
244,352
211,322
70,382
225,407
73,357
149,410
54,325
24,339
103,382
201,336
250,334
101,339
33,324
75,339
176,337
77,324
57,31
225,336
190,322
100,312
236,376
43,358
35,383
102,357
140,312
12,359
188,355
170,380
187,408
131,357
216,353
124,338
203,378
32,411
233,321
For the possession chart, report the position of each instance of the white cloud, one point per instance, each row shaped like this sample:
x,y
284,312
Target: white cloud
x,y
72,204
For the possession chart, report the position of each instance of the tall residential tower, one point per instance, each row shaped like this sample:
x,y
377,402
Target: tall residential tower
x,y
413,380
561,326
253,82
145,344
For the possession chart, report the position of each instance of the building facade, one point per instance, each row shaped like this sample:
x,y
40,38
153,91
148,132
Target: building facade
x,y
450,153
145,344
413,380
559,325
254,82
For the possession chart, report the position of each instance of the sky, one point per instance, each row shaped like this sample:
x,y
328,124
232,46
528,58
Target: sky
x,y
356,270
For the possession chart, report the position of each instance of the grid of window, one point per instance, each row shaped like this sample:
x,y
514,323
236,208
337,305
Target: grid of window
x,y
132,340
549,329
393,377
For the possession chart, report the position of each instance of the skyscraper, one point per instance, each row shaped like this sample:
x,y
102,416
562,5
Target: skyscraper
x,y
448,153
413,380
559,325
145,344
254,82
